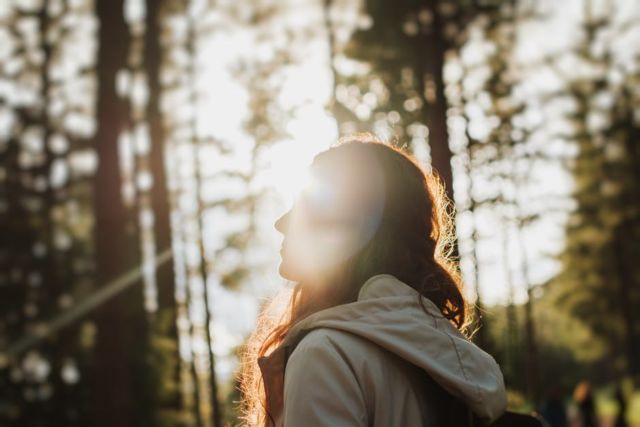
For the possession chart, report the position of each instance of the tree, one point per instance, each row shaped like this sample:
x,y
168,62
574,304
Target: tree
x,y
118,367
597,283
45,248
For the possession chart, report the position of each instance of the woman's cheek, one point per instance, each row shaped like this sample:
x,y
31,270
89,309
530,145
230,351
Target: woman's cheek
x,y
332,247
314,252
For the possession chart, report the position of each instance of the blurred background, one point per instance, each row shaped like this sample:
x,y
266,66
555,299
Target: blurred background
x,y
147,147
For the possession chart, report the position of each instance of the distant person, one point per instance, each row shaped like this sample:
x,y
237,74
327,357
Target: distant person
x,y
621,420
583,397
553,409
372,333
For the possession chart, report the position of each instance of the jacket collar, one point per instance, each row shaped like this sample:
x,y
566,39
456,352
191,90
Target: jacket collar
x,y
389,286
272,369
384,285
272,366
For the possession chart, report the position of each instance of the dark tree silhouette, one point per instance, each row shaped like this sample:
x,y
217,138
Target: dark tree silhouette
x,y
119,377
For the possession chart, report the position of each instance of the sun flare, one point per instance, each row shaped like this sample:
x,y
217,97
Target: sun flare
x,y
312,131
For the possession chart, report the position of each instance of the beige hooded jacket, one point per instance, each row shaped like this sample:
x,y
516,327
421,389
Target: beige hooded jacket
x,y
361,363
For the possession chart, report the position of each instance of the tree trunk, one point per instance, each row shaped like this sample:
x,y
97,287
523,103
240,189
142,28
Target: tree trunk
x,y
216,416
430,53
160,195
117,398
625,286
331,45
160,203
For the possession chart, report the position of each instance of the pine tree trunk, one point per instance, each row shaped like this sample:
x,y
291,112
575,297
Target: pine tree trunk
x,y
331,45
430,68
216,415
165,275
117,379
625,286
160,195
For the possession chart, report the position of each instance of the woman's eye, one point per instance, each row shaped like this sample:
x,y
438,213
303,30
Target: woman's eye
x,y
318,200
332,220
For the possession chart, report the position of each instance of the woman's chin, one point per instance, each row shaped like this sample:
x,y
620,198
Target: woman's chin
x,y
286,272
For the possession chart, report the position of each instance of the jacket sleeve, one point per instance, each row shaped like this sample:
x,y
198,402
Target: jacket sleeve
x,y
320,386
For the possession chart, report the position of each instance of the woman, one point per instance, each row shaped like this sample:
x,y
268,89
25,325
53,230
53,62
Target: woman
x,y
583,396
372,333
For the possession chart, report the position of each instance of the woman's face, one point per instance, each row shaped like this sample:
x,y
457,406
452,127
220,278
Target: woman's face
x,y
334,215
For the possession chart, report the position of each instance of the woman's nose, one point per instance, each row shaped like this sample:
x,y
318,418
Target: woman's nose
x,y
282,222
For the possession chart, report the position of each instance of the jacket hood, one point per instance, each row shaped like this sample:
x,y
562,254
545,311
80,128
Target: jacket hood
x,y
389,314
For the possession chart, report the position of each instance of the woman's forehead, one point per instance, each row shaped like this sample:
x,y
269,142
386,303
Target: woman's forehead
x,y
347,168
340,183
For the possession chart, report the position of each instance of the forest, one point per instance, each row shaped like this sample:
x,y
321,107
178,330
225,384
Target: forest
x,y
148,146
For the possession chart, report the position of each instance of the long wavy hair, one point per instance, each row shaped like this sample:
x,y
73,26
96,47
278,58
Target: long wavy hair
x,y
413,242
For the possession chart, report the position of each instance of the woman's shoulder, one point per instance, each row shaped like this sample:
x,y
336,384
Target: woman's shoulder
x,y
337,343
323,381
336,363
322,336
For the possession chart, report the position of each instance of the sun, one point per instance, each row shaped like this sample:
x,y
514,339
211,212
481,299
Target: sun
x,y
312,130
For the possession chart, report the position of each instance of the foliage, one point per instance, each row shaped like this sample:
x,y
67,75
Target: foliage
x,y
108,157
598,281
